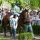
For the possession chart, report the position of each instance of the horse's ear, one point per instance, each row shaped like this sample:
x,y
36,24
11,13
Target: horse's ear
x,y
26,10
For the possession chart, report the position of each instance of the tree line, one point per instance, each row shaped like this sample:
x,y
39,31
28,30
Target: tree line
x,y
30,4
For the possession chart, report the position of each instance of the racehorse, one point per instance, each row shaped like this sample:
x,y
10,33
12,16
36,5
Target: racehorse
x,y
22,20
6,23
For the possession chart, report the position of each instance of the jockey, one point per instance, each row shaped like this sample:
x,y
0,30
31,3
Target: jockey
x,y
17,9
14,24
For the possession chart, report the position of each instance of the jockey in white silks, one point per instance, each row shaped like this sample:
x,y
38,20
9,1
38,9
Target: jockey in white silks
x,y
16,10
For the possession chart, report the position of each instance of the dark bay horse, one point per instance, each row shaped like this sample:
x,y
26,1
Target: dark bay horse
x,y
6,23
22,20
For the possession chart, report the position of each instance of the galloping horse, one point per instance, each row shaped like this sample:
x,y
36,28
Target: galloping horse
x,y
22,20
6,23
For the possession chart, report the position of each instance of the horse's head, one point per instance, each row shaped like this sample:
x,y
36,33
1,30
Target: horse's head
x,y
22,16
24,13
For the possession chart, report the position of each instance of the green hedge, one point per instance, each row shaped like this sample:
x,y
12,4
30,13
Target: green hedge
x,y
25,36
1,28
36,29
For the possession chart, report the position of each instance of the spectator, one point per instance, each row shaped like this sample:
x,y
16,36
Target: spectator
x,y
39,17
34,18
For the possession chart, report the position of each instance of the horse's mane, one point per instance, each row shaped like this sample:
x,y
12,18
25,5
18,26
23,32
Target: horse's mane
x,y
24,11
21,19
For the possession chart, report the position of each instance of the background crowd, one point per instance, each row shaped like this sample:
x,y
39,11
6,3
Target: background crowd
x,y
35,15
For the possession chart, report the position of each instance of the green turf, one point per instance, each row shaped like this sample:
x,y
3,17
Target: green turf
x,y
4,38
22,36
25,36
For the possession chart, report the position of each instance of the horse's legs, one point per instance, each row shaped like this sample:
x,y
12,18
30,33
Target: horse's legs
x,y
9,28
10,32
4,31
